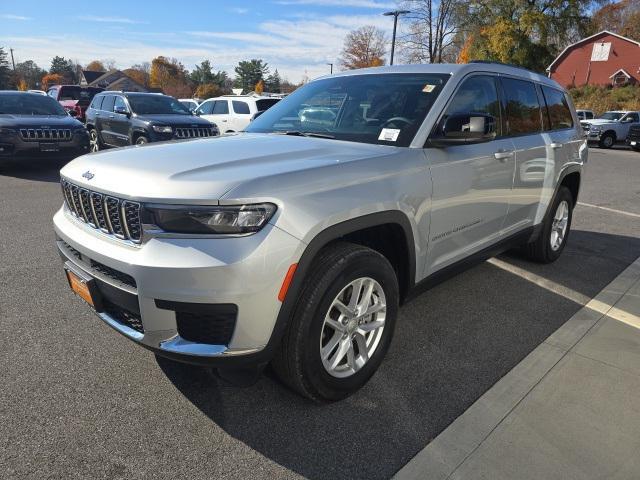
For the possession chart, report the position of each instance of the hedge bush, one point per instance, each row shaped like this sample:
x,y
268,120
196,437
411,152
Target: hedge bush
x,y
600,99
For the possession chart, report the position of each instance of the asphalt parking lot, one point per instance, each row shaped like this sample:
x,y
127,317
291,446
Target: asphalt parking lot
x,y
80,401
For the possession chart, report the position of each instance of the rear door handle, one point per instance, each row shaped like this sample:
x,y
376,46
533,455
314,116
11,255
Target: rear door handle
x,y
503,155
555,145
112,116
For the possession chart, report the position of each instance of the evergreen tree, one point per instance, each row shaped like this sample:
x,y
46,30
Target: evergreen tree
x,y
5,72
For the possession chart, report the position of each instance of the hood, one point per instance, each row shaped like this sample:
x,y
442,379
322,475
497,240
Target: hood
x,y
174,119
599,121
38,121
202,171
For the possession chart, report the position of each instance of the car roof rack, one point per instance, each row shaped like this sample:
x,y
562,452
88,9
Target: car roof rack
x,y
495,62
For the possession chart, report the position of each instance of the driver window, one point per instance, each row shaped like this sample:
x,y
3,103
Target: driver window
x,y
477,94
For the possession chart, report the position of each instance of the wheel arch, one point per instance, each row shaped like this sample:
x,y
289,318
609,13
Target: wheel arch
x,y
393,221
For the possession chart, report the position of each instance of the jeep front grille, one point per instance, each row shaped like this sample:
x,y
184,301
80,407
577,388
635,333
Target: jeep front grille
x,y
194,132
50,134
112,215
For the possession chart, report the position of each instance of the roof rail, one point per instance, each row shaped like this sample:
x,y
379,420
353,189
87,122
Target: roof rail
x,y
495,62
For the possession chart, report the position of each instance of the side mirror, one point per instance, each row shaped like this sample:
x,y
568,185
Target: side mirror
x,y
197,113
121,110
72,113
464,128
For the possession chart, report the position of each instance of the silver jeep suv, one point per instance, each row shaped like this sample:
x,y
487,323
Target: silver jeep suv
x,y
294,243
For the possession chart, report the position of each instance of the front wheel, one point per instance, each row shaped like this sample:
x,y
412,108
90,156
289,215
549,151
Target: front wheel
x,y
607,140
142,140
343,323
555,230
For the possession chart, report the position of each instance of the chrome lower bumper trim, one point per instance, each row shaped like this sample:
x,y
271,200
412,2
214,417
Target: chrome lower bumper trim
x,y
123,329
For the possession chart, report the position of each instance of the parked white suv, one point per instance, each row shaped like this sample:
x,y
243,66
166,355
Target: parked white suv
x,y
295,242
233,113
610,127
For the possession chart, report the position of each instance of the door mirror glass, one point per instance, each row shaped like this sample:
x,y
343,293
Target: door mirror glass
x,y
72,113
461,128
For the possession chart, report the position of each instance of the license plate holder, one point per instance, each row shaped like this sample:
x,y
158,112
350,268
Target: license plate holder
x,y
84,286
49,147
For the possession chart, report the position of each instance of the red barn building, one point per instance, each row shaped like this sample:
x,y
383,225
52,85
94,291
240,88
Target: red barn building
x,y
605,58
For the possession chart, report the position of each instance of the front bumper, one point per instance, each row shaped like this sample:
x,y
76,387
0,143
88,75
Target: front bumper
x,y
15,147
245,272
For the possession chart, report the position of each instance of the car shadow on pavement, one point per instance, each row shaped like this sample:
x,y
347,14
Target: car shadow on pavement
x,y
452,343
33,169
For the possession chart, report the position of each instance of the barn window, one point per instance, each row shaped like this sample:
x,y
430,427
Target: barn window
x,y
600,52
621,77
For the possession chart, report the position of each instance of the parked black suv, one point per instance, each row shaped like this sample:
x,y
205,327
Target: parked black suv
x,y
34,125
116,119
633,140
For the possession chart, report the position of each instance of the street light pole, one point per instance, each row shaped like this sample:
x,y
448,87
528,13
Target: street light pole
x,y
395,14
331,65
12,60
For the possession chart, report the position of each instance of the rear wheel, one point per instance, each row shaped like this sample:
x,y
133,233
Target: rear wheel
x,y
607,140
555,230
342,325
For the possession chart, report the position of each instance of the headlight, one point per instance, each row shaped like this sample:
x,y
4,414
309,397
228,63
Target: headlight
x,y
214,219
162,129
7,131
594,129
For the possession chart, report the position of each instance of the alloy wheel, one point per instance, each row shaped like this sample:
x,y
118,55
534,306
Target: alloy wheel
x,y
559,225
353,327
94,146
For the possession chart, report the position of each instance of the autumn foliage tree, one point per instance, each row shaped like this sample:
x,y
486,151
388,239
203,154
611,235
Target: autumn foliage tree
x,y
364,47
51,79
170,76
621,17
95,66
208,90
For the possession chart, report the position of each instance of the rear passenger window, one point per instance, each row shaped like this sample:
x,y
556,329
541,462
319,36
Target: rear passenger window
x,y
107,103
477,94
240,107
589,115
523,108
557,108
221,107
96,103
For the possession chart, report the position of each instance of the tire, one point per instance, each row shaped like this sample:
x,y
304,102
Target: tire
x,y
95,145
607,140
548,247
333,275
141,140
636,148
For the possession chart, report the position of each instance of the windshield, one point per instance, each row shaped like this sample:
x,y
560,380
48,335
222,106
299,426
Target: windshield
x,y
29,104
611,115
156,105
78,93
382,109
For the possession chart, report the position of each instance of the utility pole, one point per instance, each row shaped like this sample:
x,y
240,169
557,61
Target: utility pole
x,y
331,65
12,60
395,14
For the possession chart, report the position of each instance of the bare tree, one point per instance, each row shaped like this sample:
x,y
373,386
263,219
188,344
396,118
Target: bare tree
x,y
431,31
364,47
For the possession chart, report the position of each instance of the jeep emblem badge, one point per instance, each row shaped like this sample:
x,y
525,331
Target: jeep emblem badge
x,y
88,175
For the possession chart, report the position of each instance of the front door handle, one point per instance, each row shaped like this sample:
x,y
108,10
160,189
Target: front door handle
x,y
555,145
503,155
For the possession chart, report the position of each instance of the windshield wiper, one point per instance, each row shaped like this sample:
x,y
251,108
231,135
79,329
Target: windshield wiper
x,y
298,133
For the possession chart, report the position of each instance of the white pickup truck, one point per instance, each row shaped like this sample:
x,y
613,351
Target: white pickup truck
x,y
610,127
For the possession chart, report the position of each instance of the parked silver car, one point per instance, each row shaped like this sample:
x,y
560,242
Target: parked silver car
x,y
295,243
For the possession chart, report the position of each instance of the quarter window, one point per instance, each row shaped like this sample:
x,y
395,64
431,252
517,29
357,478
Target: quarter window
x,y
557,108
241,107
97,103
477,94
523,108
221,107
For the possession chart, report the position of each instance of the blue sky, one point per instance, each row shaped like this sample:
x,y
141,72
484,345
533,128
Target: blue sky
x,y
298,37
